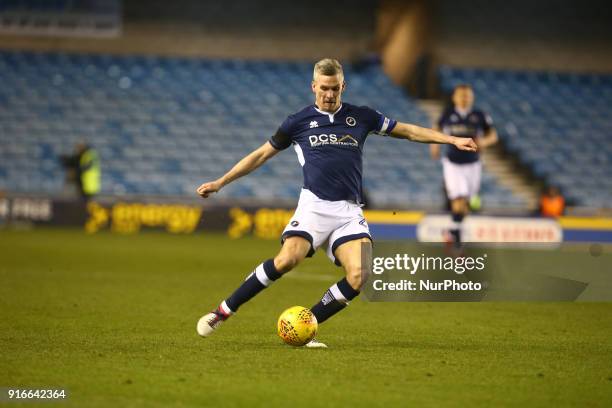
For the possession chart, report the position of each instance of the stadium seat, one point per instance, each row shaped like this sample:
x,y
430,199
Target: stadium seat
x,y
164,125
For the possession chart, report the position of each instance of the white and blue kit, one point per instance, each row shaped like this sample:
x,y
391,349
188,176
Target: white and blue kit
x,y
329,147
462,170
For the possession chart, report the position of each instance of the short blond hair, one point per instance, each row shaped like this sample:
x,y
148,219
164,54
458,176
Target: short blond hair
x,y
327,67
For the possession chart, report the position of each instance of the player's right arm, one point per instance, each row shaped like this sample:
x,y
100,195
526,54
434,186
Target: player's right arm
x,y
248,163
280,141
420,134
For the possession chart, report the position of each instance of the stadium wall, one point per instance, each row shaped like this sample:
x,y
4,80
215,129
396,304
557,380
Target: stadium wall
x,y
561,35
268,29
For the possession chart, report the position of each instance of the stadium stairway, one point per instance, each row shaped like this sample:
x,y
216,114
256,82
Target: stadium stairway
x,y
507,174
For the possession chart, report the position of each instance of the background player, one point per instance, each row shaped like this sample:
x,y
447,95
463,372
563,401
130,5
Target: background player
x,y
328,138
462,169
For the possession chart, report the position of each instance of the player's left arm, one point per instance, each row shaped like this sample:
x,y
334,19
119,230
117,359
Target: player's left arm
x,y
489,139
419,134
490,134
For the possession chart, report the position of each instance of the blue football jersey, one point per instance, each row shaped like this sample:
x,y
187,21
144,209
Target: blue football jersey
x,y
329,147
474,124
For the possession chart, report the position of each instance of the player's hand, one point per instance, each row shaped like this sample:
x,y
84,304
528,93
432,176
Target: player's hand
x,y
466,144
208,188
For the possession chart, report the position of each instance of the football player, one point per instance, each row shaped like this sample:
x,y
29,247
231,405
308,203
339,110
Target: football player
x,y
328,138
462,168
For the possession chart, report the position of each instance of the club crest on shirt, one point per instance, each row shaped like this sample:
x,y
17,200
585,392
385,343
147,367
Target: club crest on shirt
x,y
351,121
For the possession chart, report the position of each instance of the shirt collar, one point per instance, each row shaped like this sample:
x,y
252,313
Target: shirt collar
x,y
330,115
463,112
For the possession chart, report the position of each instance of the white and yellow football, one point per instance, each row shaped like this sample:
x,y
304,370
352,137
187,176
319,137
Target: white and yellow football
x,y
297,326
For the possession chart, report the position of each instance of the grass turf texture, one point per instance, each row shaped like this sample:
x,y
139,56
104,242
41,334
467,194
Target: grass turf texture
x,y
112,319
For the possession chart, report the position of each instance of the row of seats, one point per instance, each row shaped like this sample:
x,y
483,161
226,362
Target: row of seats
x,y
557,124
162,126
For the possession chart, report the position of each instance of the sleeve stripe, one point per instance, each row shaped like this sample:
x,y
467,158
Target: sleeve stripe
x,y
388,126
385,125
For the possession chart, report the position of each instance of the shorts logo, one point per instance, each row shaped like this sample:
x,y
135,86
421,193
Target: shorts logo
x,y
294,223
363,222
351,121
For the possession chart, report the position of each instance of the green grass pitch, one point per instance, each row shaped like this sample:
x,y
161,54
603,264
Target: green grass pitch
x,y
112,319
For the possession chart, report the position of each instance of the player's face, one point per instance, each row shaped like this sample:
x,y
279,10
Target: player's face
x,y
328,92
463,98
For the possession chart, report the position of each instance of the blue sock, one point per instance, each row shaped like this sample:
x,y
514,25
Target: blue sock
x,y
334,300
456,229
258,280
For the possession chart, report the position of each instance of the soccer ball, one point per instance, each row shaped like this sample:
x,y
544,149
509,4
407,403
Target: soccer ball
x,y
297,326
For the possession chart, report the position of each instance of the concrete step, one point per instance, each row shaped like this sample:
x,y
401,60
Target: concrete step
x,y
509,176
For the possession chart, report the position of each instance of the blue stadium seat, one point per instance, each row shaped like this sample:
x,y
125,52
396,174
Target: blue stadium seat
x,y
164,125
